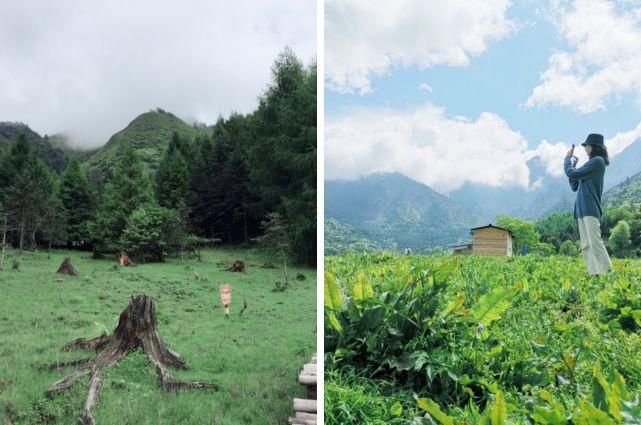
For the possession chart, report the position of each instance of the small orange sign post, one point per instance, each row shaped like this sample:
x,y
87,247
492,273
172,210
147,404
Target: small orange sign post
x,y
225,297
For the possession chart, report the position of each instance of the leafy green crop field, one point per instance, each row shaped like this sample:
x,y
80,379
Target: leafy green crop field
x,y
255,358
479,340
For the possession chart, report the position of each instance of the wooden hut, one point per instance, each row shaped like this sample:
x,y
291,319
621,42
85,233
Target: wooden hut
x,y
492,240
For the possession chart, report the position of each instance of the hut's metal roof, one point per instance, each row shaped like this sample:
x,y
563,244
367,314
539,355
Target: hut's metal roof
x,y
492,226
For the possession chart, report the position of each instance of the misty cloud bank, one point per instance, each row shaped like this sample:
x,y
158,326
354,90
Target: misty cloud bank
x,y
89,68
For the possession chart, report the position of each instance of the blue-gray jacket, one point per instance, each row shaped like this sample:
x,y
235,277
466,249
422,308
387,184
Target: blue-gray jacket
x,y
588,181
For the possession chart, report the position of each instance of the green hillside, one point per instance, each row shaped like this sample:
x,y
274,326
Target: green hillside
x,y
626,192
53,156
394,208
149,134
341,237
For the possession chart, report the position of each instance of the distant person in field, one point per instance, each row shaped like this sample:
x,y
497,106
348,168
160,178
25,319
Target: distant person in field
x,y
587,181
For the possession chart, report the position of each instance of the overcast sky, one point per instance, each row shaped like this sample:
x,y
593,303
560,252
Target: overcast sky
x,y
88,68
449,92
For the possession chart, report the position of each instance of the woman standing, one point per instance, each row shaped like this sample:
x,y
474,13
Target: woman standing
x,y
588,182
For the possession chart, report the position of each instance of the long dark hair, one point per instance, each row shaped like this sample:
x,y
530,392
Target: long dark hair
x,y
601,151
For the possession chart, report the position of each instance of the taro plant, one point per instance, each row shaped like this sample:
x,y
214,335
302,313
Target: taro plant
x,y
413,334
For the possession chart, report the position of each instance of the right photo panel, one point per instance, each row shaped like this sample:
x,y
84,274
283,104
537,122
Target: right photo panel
x,y
482,212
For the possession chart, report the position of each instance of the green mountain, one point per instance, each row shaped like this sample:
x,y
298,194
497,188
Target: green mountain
x,y
628,191
149,134
391,210
52,156
341,237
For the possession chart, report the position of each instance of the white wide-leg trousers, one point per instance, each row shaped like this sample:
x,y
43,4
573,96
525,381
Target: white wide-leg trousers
x,y
595,255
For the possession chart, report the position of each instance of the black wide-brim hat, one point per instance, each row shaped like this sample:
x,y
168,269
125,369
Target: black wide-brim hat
x,y
594,139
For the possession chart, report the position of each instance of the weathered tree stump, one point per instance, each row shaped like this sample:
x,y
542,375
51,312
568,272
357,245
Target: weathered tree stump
x,y
67,268
238,266
137,329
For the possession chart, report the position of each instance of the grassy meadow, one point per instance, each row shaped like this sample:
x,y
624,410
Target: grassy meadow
x,y
254,358
436,339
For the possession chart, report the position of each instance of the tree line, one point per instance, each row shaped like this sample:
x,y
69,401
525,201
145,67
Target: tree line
x,y
559,233
227,184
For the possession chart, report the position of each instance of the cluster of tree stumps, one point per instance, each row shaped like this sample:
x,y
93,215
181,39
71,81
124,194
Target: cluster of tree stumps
x,y
137,329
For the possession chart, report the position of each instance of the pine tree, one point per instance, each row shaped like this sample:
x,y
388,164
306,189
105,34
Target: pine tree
x,y
283,159
124,193
77,204
172,178
30,187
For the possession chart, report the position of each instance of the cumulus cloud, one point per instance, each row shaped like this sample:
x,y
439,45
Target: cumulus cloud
x,y
603,60
427,146
617,143
364,39
88,68
551,154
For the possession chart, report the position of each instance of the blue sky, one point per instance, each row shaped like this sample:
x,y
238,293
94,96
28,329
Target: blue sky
x,y
498,80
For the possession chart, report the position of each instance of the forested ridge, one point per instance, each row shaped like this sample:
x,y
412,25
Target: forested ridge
x,y
226,183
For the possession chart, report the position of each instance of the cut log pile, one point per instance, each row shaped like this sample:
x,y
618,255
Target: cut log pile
x,y
305,409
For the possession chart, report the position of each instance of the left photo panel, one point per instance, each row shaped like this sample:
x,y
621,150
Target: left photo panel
x,y
158,217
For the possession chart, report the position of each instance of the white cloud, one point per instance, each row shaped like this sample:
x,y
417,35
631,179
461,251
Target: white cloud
x,y
603,60
551,155
427,146
617,143
88,68
425,87
365,39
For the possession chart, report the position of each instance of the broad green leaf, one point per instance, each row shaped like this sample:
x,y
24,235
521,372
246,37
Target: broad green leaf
x,y
600,388
435,411
453,306
545,416
616,396
334,323
587,414
362,288
498,412
396,409
492,305
333,296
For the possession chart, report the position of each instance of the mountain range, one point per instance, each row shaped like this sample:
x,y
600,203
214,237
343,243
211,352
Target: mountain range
x,y
149,133
393,211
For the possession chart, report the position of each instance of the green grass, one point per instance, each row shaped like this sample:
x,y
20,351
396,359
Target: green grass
x,y
254,358
381,352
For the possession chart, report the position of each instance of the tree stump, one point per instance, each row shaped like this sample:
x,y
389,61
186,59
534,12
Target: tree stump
x,y
238,266
137,329
67,268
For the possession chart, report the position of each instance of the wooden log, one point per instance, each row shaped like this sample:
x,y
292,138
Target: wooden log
x,y
303,418
303,405
306,379
305,415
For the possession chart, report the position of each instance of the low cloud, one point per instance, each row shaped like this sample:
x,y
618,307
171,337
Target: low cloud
x,y
427,146
89,68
